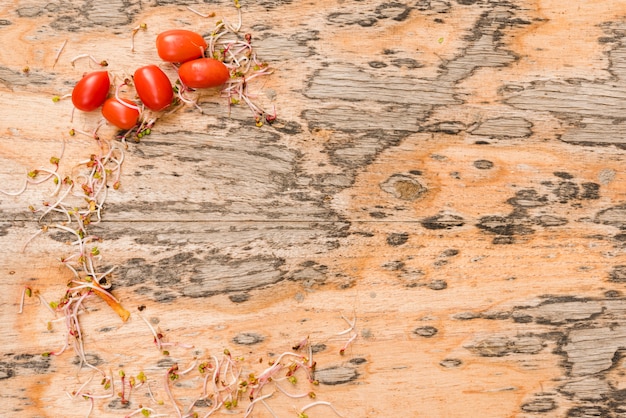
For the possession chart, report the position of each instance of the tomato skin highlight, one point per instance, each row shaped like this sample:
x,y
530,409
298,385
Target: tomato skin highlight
x,y
203,73
153,87
119,115
91,91
180,45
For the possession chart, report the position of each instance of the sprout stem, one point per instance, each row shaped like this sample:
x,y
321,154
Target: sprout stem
x,y
32,237
123,102
56,58
311,405
102,63
24,291
351,324
251,405
191,9
171,373
17,193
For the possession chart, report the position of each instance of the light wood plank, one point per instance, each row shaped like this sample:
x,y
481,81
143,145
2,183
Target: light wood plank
x,y
448,173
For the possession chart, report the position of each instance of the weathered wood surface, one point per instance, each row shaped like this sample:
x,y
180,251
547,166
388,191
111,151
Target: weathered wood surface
x,y
448,172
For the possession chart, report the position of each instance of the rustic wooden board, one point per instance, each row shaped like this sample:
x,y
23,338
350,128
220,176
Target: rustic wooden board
x,y
449,173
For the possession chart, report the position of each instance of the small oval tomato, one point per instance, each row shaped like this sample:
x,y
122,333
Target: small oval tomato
x,y
180,45
203,73
119,115
153,87
91,91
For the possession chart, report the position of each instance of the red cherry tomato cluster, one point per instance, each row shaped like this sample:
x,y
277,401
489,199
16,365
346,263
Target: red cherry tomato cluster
x,y
152,85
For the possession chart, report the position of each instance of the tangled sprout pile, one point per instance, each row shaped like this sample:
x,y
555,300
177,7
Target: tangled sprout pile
x,y
225,61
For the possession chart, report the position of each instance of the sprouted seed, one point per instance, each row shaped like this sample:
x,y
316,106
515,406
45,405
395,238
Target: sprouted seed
x,y
102,63
291,395
17,192
171,375
56,58
136,29
80,389
311,405
190,368
343,349
157,335
191,9
251,405
27,291
146,412
350,323
91,404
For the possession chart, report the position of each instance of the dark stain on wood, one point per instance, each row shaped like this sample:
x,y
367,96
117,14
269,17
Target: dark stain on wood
x,y
614,216
248,338
498,346
437,284
618,274
397,238
483,164
357,361
540,404
24,364
426,331
239,297
405,187
336,375
450,363
503,128
117,404
515,224
443,221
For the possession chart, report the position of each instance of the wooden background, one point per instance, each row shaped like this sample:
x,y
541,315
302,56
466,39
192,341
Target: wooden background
x,y
450,173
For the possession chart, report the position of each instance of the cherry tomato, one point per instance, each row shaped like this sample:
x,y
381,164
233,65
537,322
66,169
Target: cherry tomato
x,y
203,73
179,45
119,115
153,87
91,91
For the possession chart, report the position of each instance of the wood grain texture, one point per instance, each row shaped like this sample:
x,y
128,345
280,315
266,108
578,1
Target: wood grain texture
x,y
450,173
